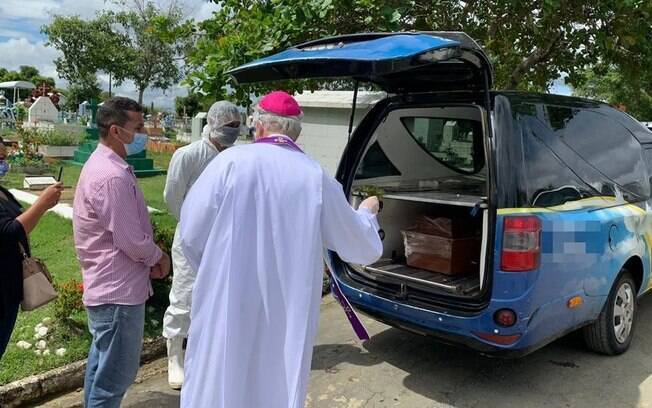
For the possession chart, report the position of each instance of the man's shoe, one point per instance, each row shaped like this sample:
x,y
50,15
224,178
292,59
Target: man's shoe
x,y
175,362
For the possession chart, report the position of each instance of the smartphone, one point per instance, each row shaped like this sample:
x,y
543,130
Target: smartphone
x,y
60,173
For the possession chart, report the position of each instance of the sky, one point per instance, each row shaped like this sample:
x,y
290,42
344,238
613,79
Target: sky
x,y
21,42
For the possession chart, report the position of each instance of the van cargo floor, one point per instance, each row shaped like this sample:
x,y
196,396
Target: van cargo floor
x,y
457,284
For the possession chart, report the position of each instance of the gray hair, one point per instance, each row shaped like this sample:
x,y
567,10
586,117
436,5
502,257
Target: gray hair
x,y
271,122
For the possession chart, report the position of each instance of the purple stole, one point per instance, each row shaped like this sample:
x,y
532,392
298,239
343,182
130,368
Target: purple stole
x,y
356,323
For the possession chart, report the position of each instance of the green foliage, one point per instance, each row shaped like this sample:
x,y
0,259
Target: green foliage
x,y
21,113
530,43
87,46
615,88
57,138
24,73
163,235
189,105
369,191
27,153
68,303
82,89
142,44
151,59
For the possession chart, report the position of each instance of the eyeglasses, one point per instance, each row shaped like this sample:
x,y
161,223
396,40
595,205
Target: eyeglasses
x,y
233,124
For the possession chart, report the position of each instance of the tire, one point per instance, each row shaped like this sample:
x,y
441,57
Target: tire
x,y
612,332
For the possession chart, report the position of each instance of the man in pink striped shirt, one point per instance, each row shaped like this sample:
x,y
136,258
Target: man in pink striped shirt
x,y
115,247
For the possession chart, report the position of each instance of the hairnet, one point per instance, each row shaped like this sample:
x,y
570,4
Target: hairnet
x,y
220,114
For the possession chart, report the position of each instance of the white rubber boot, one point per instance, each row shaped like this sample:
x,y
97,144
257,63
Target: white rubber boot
x,y
175,362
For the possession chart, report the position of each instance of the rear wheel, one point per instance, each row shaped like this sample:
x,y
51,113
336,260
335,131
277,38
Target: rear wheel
x,y
612,332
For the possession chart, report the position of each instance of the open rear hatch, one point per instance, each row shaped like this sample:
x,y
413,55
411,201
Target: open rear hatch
x,y
399,63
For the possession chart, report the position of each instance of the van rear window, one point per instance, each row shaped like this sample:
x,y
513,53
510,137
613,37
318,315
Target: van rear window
x,y
457,143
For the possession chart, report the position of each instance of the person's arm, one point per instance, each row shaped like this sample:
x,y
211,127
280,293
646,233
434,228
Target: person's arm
x,y
352,234
11,231
117,209
176,183
48,199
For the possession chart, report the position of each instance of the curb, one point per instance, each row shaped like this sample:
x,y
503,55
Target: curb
x,y
60,380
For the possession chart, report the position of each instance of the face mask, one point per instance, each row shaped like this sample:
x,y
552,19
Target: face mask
x,y
4,167
227,135
137,145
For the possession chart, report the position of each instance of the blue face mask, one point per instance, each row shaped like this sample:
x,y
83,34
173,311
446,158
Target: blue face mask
x,y
4,167
137,145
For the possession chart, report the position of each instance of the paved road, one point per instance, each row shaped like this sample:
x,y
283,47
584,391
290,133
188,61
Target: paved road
x,y
400,369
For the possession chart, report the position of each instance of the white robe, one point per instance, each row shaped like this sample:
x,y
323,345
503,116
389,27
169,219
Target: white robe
x,y
254,227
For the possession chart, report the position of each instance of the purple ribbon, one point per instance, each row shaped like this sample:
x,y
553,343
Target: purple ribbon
x,y
280,140
354,320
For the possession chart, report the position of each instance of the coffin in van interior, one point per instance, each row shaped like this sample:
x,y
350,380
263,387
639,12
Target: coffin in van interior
x,y
428,162
454,267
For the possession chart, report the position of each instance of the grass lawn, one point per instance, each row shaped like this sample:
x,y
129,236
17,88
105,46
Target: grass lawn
x,y
52,241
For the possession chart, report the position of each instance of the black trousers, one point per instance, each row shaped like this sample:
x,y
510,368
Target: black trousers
x,y
7,323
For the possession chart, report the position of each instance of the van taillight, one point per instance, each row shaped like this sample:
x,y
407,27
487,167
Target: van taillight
x,y
521,244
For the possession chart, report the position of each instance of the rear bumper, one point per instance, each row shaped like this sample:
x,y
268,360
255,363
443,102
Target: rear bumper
x,y
453,339
551,321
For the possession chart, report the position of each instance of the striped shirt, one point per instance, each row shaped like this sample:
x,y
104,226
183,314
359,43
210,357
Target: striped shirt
x,y
113,233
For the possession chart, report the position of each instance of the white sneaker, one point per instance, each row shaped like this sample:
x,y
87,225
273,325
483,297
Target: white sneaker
x,y
175,362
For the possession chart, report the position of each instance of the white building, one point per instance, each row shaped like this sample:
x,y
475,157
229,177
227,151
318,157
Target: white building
x,y
326,122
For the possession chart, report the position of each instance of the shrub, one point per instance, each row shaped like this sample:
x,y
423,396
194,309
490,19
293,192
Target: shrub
x,y
163,235
68,303
57,138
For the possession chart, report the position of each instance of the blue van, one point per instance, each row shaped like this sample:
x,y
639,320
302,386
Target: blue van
x,y
555,190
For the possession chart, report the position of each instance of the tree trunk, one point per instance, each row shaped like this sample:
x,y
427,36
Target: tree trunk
x,y
141,91
537,56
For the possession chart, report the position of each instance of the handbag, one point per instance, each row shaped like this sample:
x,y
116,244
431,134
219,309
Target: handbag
x,y
38,289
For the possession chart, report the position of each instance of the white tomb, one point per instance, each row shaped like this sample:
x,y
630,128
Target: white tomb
x,y
43,110
38,183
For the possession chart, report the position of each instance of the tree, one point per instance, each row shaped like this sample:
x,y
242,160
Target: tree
x,y
88,47
157,39
612,87
25,73
530,42
188,106
141,43
83,89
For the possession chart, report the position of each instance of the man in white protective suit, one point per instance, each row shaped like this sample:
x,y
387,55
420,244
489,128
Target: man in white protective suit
x,y
221,131
254,226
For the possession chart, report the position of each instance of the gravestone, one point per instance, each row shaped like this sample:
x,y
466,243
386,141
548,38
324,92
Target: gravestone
x,y
43,110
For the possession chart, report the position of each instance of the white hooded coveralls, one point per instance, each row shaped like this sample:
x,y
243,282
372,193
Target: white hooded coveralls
x,y
185,167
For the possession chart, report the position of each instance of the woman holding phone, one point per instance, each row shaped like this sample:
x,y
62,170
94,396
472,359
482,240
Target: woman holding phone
x,y
15,226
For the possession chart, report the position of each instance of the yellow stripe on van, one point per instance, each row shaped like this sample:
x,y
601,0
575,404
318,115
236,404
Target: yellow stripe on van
x,y
573,206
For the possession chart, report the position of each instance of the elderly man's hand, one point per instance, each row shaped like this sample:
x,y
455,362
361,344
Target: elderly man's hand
x,y
372,204
162,268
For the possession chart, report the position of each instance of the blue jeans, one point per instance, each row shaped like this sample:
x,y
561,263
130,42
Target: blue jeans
x,y
114,357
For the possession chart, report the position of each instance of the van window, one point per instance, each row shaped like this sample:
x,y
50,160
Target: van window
x,y
549,181
648,162
604,143
376,164
457,143
572,153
